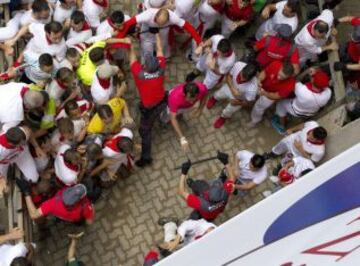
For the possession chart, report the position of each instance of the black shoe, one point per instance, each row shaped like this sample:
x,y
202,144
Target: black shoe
x,y
191,76
189,182
143,162
269,155
164,220
189,57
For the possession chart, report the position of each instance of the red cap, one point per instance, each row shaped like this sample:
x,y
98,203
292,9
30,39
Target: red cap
x,y
285,176
320,80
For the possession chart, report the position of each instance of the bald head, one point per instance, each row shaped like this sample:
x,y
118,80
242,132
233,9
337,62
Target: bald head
x,y
162,17
34,99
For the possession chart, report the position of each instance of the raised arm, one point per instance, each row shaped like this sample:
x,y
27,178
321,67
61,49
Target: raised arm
x,y
159,48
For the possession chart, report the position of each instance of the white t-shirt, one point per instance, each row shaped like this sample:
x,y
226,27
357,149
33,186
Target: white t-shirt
x,y
279,18
207,12
307,102
247,89
92,12
246,173
191,230
11,104
9,252
7,154
105,27
100,94
301,164
64,173
39,44
27,18
74,37
148,17
154,3
61,14
225,63
186,9
317,151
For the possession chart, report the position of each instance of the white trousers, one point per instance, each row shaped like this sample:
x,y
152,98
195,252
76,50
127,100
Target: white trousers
x,y
26,163
225,94
211,78
259,109
226,26
284,107
148,41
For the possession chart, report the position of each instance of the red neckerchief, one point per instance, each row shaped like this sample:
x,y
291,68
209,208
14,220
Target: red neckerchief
x,y
61,138
228,54
86,26
312,88
61,85
310,27
239,79
112,144
48,39
103,3
71,166
112,25
4,142
218,7
23,91
315,142
105,83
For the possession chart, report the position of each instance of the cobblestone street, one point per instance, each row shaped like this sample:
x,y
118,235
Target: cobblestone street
x,y
126,227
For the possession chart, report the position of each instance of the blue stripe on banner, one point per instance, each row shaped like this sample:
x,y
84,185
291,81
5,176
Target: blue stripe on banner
x,y
335,196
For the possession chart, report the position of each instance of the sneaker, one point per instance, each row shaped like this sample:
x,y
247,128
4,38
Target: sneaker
x,y
143,162
164,220
219,122
211,102
274,179
191,77
275,122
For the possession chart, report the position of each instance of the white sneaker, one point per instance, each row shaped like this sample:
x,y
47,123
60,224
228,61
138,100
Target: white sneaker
x,y
274,179
266,193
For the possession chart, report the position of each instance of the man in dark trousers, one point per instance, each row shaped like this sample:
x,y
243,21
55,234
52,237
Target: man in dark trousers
x,y
149,79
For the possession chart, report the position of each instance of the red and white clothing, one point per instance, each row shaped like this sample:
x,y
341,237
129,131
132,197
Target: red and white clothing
x,y
74,37
84,105
246,174
286,145
111,151
309,47
56,90
9,252
274,48
147,19
83,210
248,90
61,14
224,64
11,104
106,27
57,140
101,89
272,84
93,9
234,13
307,101
40,44
300,165
278,18
66,173
209,14
187,9
191,230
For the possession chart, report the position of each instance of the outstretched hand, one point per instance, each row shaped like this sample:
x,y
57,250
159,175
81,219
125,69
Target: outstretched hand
x,y
223,157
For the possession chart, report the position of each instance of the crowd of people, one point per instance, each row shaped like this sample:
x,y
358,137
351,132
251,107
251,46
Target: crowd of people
x,y
68,128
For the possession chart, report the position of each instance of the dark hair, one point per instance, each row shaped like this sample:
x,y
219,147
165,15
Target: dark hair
x,y
45,60
257,161
65,125
125,145
117,17
39,5
70,155
77,17
15,135
224,46
288,68
72,52
249,71
306,171
93,150
96,55
71,105
321,27
294,5
191,89
53,27
320,133
20,261
65,75
104,111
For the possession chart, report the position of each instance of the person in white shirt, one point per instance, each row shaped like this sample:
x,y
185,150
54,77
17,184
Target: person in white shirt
x,y
40,71
286,12
102,88
240,90
80,30
72,58
309,97
292,169
93,9
63,10
217,59
306,140
312,39
63,134
250,170
14,149
187,9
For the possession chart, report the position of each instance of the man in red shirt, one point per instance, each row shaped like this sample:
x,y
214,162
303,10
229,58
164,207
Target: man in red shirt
x,y
207,200
277,82
149,79
238,13
350,56
68,204
278,48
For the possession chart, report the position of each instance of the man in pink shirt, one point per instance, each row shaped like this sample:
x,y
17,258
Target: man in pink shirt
x,y
182,98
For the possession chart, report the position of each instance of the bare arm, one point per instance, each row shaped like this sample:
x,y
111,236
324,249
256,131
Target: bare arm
x,y
181,190
14,234
21,33
230,83
159,48
176,125
33,211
